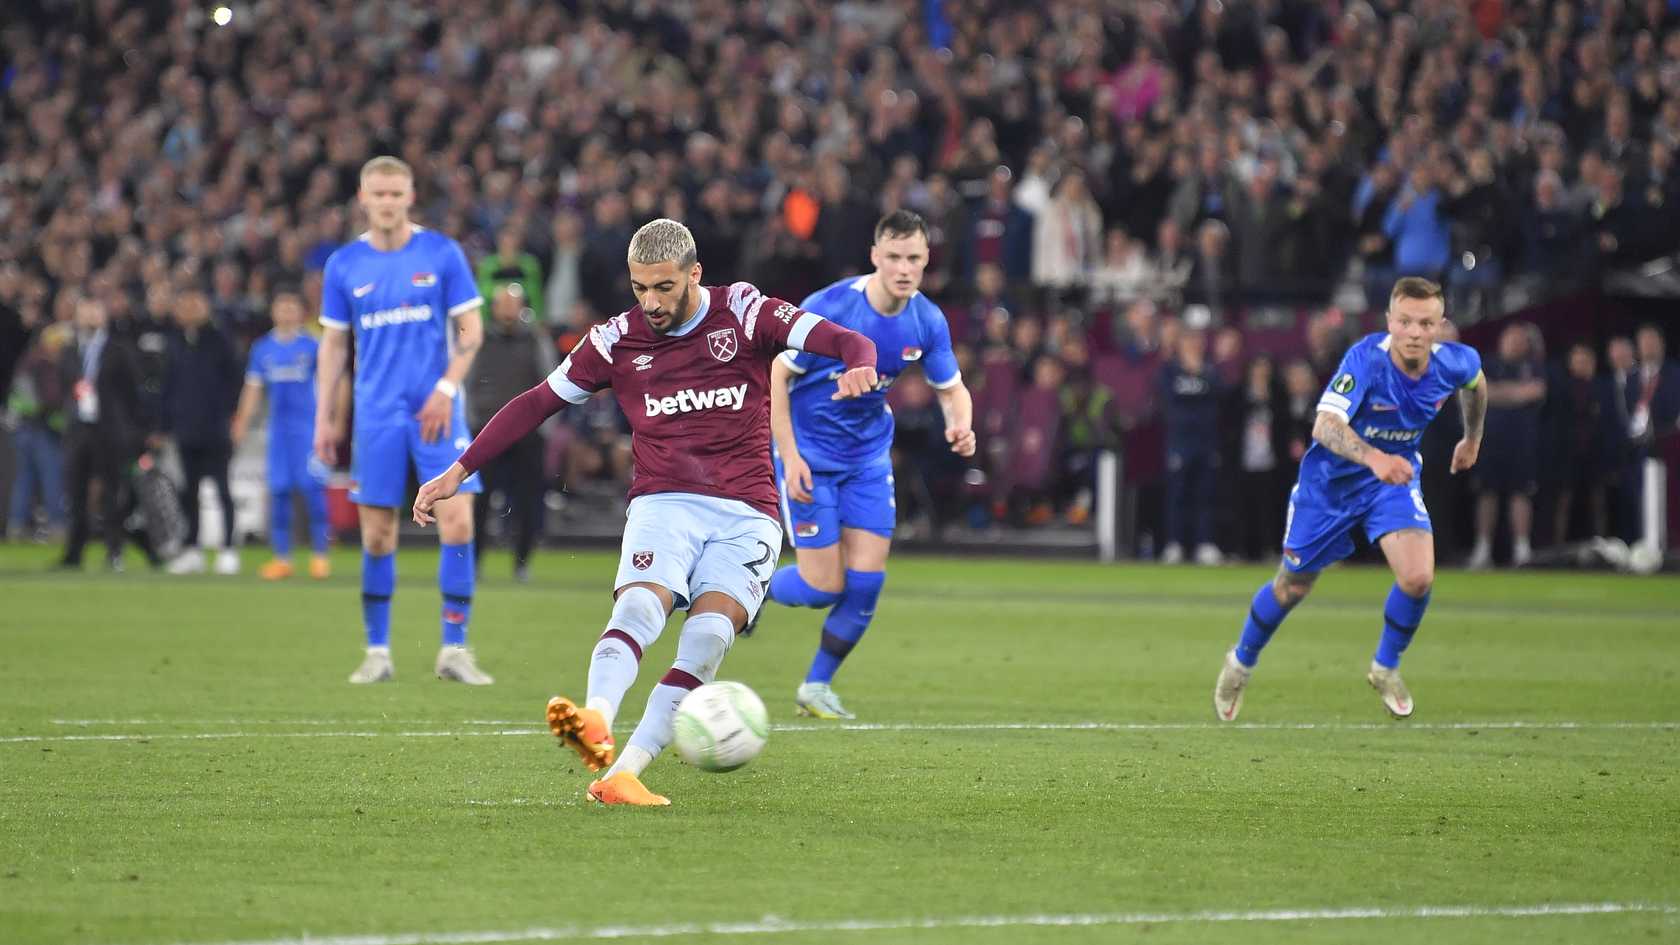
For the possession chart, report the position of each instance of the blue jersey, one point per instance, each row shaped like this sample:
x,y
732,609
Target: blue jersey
x,y
840,434
1384,407
286,370
399,305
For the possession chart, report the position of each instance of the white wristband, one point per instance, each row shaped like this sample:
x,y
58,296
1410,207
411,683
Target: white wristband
x,y
447,387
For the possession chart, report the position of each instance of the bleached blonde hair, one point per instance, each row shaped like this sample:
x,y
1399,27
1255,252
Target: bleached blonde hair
x,y
663,240
386,164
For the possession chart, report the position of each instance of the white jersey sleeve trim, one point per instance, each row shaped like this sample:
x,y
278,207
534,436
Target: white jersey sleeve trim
x,y
954,381
1328,404
791,359
334,323
461,308
802,329
563,386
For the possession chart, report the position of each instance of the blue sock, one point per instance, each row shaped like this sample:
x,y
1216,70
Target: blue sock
x,y
1264,616
1401,616
280,523
456,576
790,590
319,525
379,581
846,623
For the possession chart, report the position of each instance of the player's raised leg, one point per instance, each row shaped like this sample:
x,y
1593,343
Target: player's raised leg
x,y
638,618
1411,556
457,577
379,582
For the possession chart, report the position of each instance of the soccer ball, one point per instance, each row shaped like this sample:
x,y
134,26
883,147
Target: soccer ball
x,y
721,726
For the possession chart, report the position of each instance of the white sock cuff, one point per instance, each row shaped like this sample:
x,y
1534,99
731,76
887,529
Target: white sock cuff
x,y
711,624
704,642
638,613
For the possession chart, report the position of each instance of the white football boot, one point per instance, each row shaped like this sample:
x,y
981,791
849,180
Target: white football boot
x,y
1228,689
1396,698
456,663
376,666
820,701
1208,555
1173,553
190,561
227,562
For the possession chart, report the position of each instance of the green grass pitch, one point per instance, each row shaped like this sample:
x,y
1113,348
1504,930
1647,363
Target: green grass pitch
x,y
181,761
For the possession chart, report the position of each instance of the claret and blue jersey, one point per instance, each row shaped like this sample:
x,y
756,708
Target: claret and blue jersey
x,y
847,443
399,305
1388,410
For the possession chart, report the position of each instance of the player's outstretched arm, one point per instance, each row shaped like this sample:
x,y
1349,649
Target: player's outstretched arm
x,y
958,407
329,368
1473,405
1335,435
797,471
517,419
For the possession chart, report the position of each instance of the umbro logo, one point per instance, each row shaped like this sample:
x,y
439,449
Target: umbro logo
x,y
362,290
643,362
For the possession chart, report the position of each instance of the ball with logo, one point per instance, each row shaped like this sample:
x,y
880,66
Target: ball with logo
x,y
721,726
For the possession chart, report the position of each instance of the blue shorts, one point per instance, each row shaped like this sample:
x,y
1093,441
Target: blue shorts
x,y
1317,532
292,463
383,453
856,498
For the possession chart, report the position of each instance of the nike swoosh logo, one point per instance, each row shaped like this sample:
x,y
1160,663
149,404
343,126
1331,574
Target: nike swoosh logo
x,y
362,290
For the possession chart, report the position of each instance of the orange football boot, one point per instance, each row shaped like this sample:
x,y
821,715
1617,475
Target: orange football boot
x,y
583,730
320,568
626,788
277,569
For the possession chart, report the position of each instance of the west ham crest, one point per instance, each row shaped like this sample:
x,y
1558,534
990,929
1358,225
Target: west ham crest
x,y
722,344
641,560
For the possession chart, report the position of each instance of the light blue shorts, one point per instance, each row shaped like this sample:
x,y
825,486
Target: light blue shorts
x,y
690,544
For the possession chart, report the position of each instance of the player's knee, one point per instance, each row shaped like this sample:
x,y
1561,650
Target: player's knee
x,y
829,580
1415,582
1291,589
717,602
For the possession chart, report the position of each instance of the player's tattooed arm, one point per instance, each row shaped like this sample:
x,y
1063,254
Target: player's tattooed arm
x,y
1473,404
1335,435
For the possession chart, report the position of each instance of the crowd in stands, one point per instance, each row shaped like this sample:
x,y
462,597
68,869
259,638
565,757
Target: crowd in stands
x,y
1099,176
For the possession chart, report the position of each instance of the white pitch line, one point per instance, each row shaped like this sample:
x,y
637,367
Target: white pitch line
x,y
776,925
848,727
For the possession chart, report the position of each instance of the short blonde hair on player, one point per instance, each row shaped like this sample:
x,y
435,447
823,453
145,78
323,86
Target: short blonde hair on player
x,y
663,240
386,164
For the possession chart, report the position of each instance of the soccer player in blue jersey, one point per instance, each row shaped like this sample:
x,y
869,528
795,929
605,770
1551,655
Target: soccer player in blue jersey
x,y
282,363
1361,471
832,453
409,296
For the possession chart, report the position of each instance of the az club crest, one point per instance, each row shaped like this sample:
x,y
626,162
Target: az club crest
x,y
722,344
641,560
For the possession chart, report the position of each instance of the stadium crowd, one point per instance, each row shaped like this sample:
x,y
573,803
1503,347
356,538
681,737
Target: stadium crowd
x,y
1146,216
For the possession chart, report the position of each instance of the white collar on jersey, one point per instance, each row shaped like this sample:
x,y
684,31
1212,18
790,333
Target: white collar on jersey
x,y
413,229
1389,340
699,315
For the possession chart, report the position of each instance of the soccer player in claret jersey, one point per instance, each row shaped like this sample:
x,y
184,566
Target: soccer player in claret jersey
x,y
1361,471
689,365
409,296
282,363
834,458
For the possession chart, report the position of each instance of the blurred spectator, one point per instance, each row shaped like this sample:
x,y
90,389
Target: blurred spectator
x,y
1417,228
1212,272
200,389
1030,481
1583,443
1002,230
517,354
1296,415
1626,389
1510,463
564,283
1124,275
1066,238
1551,230
1261,441
1190,391
100,381
1091,423
36,410
510,263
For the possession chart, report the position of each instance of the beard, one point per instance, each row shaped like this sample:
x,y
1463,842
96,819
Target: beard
x,y
676,316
